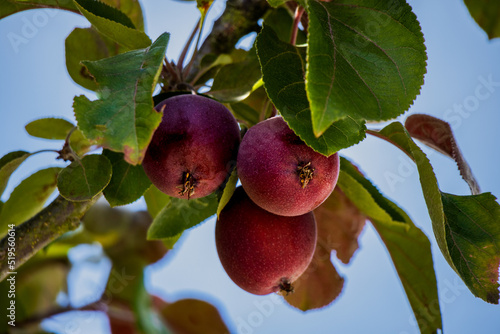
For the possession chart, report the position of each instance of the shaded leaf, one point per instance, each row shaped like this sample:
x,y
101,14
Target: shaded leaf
x,y
39,288
193,316
8,164
113,23
283,69
49,128
256,106
438,135
486,13
366,59
473,238
180,214
86,44
319,285
441,223
123,119
409,248
339,225
155,200
228,191
28,198
128,183
281,21
83,180
235,81
10,7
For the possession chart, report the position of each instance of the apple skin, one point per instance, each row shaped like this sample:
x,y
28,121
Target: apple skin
x,y
197,135
269,159
261,251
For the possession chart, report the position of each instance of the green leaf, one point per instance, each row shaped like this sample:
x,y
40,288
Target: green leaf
x,y
234,82
124,118
408,246
366,59
113,23
442,223
131,8
8,164
10,7
486,14
155,200
83,180
128,183
473,239
228,191
180,214
86,44
283,74
49,128
28,198
281,21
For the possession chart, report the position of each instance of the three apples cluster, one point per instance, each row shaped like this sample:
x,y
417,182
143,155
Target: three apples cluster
x,y
266,234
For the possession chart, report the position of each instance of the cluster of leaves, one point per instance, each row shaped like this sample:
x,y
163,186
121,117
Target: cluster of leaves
x,y
354,61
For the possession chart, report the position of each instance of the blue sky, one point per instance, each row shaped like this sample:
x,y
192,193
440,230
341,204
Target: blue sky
x,y
34,84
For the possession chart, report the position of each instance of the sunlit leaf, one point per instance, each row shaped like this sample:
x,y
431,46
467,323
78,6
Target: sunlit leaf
x,y
82,180
10,7
283,69
366,59
131,8
113,23
49,128
409,248
128,183
228,191
155,200
123,119
437,134
447,221
28,198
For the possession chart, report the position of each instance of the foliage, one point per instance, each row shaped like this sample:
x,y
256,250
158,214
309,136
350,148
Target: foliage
x,y
329,79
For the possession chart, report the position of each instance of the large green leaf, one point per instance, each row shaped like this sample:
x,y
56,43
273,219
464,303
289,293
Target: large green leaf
x,y
49,128
448,221
83,179
181,214
8,164
473,238
9,7
366,59
113,23
124,119
283,74
486,13
408,246
86,44
128,183
28,198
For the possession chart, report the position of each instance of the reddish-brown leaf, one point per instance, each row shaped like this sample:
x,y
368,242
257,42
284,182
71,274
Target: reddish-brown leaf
x,y
339,225
192,316
438,135
319,285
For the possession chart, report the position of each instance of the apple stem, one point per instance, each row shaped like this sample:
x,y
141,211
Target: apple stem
x,y
305,173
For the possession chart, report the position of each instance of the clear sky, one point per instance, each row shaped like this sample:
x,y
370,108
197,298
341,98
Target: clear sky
x,y
34,84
